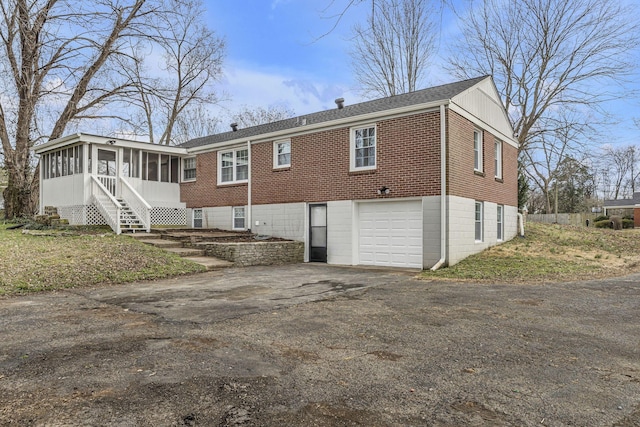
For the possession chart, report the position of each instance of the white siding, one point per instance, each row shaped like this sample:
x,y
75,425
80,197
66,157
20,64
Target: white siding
x,y
461,223
286,220
63,191
510,222
213,218
340,232
462,227
483,102
165,194
430,231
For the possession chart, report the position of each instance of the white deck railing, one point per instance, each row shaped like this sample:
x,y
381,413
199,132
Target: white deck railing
x,y
141,208
106,203
110,183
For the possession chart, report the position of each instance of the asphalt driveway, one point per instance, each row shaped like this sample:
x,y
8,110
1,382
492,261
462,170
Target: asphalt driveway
x,y
315,345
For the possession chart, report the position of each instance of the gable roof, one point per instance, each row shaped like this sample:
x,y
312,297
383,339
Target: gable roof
x,y
424,96
623,203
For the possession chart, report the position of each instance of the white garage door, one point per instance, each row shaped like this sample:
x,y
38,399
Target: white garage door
x,y
390,234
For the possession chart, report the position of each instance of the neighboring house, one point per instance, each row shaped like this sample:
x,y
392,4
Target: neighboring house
x,y
625,207
415,180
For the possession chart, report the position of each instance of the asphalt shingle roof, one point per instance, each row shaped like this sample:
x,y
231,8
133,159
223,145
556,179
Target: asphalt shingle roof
x,y
437,93
623,202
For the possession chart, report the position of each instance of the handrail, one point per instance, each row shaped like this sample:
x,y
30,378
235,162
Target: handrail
x,y
106,191
114,223
135,193
141,208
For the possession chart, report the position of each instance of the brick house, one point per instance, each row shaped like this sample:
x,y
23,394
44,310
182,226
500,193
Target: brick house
x,y
410,181
416,180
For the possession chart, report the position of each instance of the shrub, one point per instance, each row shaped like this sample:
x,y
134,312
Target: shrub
x,y
601,218
611,223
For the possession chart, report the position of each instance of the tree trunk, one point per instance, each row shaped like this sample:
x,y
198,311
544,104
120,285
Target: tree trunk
x,y
18,196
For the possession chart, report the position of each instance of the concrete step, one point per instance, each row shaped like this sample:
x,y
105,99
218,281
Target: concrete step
x,y
185,252
160,243
210,263
145,236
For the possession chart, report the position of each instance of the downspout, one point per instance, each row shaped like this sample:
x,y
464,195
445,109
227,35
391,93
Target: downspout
x,y
443,190
248,216
521,224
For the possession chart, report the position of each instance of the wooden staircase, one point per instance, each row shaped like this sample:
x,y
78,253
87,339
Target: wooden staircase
x,y
129,221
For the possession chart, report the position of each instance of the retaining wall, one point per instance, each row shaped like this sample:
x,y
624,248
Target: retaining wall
x,y
243,254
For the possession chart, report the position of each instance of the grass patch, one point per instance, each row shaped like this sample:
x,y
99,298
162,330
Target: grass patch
x,y
551,253
65,259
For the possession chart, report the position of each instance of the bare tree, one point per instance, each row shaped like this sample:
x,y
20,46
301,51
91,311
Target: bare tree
x,y
247,116
64,62
194,122
549,153
54,52
391,50
191,60
548,55
617,164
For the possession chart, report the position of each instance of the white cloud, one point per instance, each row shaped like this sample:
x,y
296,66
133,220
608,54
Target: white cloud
x,y
302,93
276,3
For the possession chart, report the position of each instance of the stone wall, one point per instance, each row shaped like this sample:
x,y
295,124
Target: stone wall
x,y
256,253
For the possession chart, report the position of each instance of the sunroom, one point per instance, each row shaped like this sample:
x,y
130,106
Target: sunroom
x,y
128,185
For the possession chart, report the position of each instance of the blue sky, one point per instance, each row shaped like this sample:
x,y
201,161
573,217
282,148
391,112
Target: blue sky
x,y
276,55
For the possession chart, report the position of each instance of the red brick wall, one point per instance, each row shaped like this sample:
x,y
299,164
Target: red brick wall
x,y
463,181
408,162
204,192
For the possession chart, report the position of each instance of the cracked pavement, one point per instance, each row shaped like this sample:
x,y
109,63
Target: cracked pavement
x,y
319,345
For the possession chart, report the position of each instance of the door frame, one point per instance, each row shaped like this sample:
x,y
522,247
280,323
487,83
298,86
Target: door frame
x,y
317,253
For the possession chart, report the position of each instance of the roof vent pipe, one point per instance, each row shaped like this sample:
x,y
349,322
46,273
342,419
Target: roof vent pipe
x,y
234,126
340,103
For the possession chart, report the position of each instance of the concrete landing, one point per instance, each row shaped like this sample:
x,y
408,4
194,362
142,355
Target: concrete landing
x,y
210,263
185,252
192,254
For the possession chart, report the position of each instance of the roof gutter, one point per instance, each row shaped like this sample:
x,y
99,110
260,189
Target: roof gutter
x,y
311,127
443,190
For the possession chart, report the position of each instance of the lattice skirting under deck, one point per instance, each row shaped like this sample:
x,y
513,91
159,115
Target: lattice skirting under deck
x,y
169,216
81,215
90,215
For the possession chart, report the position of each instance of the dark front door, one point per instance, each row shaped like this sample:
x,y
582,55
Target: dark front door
x,y
318,233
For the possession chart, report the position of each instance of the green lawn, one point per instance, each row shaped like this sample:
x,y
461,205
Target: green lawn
x,y
64,259
549,253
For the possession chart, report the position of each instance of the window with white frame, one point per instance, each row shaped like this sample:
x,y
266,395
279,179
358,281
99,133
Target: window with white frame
x,y
363,148
478,222
500,223
189,169
498,158
477,150
281,154
233,166
238,218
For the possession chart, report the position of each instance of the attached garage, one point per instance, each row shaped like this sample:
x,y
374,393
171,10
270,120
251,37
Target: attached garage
x,y
390,233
